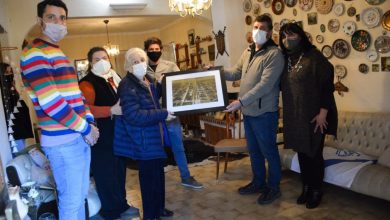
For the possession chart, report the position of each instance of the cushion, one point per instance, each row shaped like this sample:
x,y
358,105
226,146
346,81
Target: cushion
x,y
384,159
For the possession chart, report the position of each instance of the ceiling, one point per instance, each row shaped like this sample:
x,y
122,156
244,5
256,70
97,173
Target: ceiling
x,y
84,26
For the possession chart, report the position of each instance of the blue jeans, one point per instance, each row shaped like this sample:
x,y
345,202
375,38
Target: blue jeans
x,y
176,137
260,132
70,166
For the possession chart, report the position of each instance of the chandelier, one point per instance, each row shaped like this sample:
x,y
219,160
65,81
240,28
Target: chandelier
x,y
189,7
111,49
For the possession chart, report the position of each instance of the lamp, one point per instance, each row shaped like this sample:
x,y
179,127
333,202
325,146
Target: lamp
x,y
112,49
189,7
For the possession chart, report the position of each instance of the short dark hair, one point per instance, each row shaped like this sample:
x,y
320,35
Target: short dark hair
x,y
90,55
265,18
296,29
152,40
3,67
41,7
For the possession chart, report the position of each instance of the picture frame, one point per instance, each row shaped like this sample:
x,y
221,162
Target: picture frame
x,y
191,37
81,67
211,49
194,91
312,18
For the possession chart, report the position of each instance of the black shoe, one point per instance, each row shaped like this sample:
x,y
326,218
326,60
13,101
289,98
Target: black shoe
x,y
251,188
268,196
302,199
166,213
314,199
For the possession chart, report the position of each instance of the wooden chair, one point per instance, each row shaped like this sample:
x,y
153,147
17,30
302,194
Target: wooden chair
x,y
229,144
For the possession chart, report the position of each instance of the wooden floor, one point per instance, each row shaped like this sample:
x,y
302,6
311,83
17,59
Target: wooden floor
x,y
220,200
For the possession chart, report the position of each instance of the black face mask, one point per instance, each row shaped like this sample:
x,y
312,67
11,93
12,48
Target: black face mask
x,y
154,56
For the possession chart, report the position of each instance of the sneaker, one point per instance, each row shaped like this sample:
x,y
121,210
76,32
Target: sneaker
x,y
251,188
130,212
191,183
268,196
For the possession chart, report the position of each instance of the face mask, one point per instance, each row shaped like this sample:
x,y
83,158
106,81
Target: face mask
x,y
259,36
101,68
55,31
154,55
139,70
290,44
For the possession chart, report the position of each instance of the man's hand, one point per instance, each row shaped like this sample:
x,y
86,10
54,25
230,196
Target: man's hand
x,y
160,79
320,121
116,109
233,106
92,137
170,116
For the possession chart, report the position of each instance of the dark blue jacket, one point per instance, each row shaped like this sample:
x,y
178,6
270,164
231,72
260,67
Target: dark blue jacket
x,y
139,132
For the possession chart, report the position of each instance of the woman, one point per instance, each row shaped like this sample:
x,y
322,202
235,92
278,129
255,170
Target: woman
x,y
99,88
309,108
140,133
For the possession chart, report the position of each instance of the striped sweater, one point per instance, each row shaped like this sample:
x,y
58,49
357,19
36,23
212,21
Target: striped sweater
x,y
51,82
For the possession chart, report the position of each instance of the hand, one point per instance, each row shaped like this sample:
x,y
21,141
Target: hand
x,y
320,121
208,66
116,109
160,79
236,104
170,116
92,137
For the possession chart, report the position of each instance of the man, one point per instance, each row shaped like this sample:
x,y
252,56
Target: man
x,y
153,47
65,121
259,69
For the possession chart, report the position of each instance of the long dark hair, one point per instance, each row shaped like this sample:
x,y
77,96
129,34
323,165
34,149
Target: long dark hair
x,y
90,55
296,29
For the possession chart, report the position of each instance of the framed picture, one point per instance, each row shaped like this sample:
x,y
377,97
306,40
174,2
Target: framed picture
x,y
81,66
211,49
385,62
188,92
312,18
191,37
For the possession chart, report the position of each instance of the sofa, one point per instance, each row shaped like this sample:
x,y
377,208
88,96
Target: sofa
x,y
363,134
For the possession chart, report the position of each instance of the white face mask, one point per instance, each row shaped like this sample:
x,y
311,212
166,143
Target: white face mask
x,y
259,36
55,31
139,70
101,68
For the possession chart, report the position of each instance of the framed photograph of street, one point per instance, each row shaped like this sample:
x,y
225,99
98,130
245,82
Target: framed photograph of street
x,y
189,92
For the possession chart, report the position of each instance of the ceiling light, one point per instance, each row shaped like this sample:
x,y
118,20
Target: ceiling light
x,y
111,49
189,7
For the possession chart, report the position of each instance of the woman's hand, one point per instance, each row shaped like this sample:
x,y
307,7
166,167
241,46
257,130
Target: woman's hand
x,y
320,120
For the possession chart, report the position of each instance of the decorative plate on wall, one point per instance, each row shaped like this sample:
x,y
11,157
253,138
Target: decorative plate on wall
x,y
351,11
338,9
290,3
371,17
327,51
305,5
322,28
372,55
363,68
295,12
382,44
323,6
340,71
248,20
256,9
277,7
247,5
320,39
277,26
386,21
341,48
349,27
333,25
360,40
375,2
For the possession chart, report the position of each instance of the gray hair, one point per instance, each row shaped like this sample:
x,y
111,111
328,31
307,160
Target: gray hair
x,y
132,55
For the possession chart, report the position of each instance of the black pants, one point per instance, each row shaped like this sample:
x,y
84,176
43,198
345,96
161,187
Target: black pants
x,y
312,167
152,182
109,172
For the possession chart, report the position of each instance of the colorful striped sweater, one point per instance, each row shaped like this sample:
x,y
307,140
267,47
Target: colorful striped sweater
x,y
51,82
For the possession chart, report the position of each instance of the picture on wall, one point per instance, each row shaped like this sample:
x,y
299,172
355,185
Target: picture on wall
x,y
194,91
375,67
385,62
211,49
191,37
81,66
312,18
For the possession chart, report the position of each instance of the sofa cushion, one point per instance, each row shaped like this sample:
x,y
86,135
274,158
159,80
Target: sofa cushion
x,y
384,159
367,133
373,180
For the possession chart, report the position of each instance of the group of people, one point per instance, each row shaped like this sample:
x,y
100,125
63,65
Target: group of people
x,y
123,117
